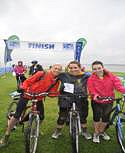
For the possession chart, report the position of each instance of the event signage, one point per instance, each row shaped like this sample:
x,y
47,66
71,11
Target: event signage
x,y
55,46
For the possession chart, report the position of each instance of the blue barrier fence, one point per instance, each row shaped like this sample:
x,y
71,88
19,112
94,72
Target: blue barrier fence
x,y
4,70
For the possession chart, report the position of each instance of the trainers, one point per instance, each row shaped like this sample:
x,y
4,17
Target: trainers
x,y
4,141
56,134
96,138
87,135
105,136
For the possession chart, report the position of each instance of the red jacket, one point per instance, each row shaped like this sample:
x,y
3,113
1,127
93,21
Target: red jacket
x,y
40,82
105,86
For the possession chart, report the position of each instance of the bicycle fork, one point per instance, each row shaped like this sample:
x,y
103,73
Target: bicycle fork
x,y
74,114
37,121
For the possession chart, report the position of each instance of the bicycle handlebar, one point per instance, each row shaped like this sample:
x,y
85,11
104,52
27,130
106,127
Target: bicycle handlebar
x,y
108,98
15,94
58,95
39,94
74,95
20,74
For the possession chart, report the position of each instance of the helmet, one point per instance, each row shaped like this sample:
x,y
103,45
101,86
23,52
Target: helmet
x,y
34,62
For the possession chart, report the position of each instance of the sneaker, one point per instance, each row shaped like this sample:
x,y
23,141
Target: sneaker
x,y
96,138
105,136
56,134
87,135
4,141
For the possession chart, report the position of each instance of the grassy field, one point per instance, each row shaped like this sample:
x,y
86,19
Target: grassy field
x,y
46,143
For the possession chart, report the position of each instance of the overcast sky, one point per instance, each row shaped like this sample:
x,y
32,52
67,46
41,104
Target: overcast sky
x,y
100,22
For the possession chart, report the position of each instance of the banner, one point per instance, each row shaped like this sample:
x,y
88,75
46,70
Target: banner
x,y
47,53
78,49
8,50
45,46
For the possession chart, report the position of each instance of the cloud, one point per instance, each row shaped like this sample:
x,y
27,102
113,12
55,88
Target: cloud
x,y
101,22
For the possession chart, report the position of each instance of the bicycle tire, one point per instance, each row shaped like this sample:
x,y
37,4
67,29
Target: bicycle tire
x,y
74,136
32,134
120,132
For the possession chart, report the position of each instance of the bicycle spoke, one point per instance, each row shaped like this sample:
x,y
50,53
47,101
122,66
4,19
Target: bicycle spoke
x,y
32,136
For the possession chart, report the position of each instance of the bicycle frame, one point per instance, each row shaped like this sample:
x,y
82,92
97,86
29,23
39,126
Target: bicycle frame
x,y
117,110
75,115
32,131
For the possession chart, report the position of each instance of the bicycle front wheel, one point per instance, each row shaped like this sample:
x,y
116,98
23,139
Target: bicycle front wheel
x,y
120,131
32,134
74,136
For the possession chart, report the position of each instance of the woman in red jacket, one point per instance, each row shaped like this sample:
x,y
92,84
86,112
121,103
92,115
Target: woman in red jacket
x,y
38,83
20,71
102,83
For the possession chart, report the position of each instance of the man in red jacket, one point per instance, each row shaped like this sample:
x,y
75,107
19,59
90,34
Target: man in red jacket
x,y
102,83
38,83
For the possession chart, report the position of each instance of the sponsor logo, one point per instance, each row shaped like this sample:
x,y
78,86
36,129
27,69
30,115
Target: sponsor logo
x,y
68,46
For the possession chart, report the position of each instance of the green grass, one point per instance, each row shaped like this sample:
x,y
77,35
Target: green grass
x,y
120,74
46,143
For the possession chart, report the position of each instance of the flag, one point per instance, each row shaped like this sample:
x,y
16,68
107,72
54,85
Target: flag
x,y
7,53
10,43
78,49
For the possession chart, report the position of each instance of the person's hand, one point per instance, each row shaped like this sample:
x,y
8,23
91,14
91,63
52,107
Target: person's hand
x,y
20,91
95,97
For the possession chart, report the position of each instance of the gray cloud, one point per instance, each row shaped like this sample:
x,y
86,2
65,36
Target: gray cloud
x,y
101,22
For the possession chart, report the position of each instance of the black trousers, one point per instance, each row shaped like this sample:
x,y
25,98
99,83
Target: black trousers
x,y
101,111
22,105
83,111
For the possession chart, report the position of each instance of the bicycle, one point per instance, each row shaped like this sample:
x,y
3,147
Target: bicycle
x,y
74,121
117,118
32,131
